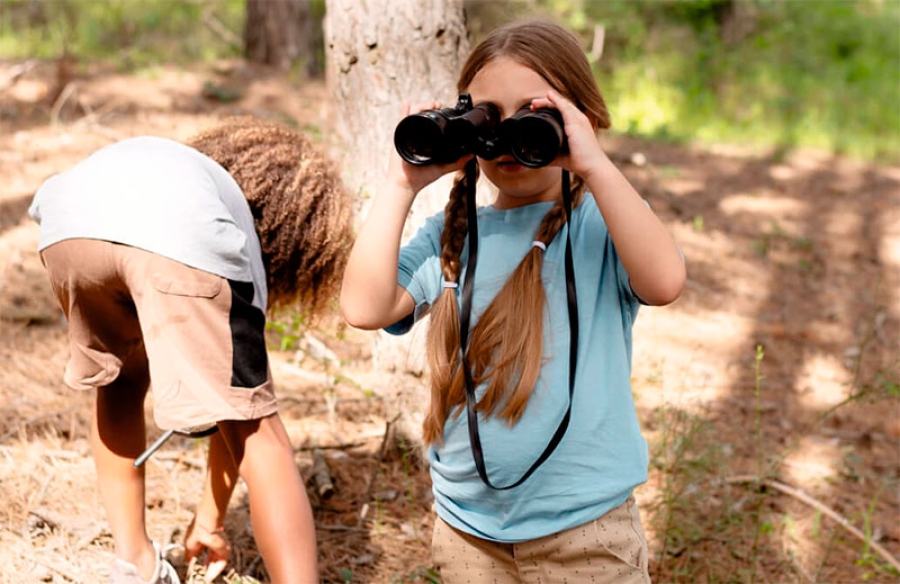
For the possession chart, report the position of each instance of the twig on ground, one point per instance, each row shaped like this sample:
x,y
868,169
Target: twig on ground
x,y
64,96
55,568
53,525
364,510
25,423
824,509
181,458
326,527
346,446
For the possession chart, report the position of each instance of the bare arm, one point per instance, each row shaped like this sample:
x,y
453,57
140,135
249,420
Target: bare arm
x,y
371,298
647,250
205,530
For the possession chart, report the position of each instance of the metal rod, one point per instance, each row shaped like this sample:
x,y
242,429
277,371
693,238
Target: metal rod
x,y
140,460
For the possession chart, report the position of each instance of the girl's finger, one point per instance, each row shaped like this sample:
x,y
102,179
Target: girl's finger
x,y
424,106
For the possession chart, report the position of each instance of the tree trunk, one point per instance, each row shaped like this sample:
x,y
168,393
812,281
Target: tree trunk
x,y
379,54
280,33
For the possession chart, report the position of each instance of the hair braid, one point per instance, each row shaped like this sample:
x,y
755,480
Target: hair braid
x,y
443,339
506,348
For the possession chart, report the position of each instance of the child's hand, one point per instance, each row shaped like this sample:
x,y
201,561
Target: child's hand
x,y
404,175
215,543
584,148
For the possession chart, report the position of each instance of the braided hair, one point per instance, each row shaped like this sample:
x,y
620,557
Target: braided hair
x,y
506,344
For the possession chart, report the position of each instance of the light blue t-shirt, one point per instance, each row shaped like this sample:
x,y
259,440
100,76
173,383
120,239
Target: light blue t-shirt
x,y
158,195
603,455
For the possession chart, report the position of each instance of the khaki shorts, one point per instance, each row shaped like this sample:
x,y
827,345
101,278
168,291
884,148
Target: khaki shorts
x,y
201,341
611,549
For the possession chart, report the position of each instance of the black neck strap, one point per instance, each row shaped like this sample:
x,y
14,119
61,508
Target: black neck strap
x,y
464,318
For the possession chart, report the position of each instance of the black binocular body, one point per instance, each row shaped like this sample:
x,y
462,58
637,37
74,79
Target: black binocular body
x,y
440,136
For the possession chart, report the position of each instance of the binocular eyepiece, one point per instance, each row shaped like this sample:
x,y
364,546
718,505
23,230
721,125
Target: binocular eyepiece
x,y
440,136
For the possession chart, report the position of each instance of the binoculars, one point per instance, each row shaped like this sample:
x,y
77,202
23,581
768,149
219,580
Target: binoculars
x,y
440,136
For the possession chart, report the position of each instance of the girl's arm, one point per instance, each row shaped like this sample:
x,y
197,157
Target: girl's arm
x,y
653,261
371,298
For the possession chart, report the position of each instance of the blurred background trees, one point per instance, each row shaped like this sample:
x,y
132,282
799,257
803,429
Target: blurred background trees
x,y
820,73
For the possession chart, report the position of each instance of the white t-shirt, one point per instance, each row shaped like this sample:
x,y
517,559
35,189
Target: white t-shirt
x,y
158,195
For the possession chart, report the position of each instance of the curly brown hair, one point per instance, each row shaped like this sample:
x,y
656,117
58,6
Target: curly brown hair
x,y
300,207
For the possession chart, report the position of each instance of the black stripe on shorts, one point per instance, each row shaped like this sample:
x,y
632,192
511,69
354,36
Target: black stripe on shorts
x,y
249,360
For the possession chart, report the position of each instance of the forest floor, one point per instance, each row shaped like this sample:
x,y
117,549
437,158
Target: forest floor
x,y
768,392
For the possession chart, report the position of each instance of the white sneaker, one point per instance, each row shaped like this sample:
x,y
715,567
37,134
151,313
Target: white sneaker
x,y
126,573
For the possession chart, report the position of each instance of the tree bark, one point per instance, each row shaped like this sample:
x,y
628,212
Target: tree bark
x,y
379,54
280,33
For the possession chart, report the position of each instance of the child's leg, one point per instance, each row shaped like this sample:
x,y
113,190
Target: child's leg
x,y
104,332
117,438
279,508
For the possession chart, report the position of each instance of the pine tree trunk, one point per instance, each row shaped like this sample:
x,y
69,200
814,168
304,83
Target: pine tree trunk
x,y
279,33
379,54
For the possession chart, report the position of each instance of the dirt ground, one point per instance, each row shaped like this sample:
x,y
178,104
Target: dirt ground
x,y
768,392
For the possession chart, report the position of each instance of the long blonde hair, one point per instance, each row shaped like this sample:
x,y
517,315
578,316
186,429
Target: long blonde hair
x,y
506,345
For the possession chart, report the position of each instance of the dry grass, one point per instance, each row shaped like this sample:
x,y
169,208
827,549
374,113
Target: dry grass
x,y
798,255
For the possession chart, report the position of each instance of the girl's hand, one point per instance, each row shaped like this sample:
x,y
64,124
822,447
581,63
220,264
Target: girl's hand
x,y
404,175
199,539
584,149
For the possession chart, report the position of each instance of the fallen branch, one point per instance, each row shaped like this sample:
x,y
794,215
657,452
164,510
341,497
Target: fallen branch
x,y
326,527
322,475
824,509
346,446
60,101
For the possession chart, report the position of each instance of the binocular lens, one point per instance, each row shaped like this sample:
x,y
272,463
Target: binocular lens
x,y
535,139
439,136
418,139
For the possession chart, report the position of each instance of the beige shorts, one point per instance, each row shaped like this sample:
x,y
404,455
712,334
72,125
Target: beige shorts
x,y
611,549
201,340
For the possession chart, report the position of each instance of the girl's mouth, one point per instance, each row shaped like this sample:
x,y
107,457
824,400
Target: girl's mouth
x,y
509,165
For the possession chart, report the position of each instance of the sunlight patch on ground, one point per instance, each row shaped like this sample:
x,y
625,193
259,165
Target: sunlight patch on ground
x,y
813,462
822,382
684,186
28,91
694,371
763,203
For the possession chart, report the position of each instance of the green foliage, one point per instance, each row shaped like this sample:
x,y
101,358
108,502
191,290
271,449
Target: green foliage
x,y
285,330
133,32
770,73
819,73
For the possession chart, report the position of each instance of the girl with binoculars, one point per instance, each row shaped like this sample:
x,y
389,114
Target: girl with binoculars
x,y
534,442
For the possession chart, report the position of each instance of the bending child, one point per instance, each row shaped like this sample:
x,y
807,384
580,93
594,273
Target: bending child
x,y
165,258
534,450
